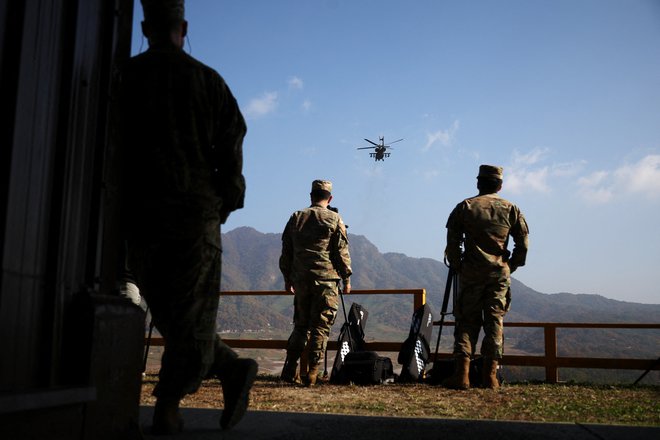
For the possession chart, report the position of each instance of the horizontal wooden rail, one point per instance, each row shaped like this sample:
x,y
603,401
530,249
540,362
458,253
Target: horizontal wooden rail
x,y
280,344
619,325
549,360
419,294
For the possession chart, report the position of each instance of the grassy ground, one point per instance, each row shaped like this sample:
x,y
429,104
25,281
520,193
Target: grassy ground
x,y
573,403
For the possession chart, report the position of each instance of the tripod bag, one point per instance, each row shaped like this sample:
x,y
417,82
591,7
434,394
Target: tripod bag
x,y
366,368
351,338
415,351
444,368
353,364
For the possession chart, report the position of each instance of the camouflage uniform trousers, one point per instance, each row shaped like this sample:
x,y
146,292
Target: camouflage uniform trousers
x,y
315,305
180,280
482,302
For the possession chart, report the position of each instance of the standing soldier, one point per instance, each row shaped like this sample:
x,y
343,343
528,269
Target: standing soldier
x,y
481,225
182,164
314,258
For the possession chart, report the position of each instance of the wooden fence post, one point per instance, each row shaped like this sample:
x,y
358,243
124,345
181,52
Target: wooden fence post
x,y
550,334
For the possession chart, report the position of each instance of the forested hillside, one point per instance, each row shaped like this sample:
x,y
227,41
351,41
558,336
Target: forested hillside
x,y
250,262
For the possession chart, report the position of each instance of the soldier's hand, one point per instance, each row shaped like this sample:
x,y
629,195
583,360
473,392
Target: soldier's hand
x,y
289,287
347,287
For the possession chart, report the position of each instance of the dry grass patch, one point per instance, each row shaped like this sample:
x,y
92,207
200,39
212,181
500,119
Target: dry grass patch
x,y
529,402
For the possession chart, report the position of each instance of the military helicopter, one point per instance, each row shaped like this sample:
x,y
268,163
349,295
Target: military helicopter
x,y
379,149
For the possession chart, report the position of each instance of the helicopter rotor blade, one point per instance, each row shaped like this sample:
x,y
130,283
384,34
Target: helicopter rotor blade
x,y
371,142
366,148
398,140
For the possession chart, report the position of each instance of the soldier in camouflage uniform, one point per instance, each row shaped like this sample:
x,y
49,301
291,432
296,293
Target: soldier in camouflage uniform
x,y
478,232
182,162
314,258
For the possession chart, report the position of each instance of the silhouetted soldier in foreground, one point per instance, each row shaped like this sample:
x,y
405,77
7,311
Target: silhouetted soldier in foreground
x,y
314,259
182,137
481,225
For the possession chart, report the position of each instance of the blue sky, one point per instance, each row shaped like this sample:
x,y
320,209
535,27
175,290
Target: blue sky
x,y
564,94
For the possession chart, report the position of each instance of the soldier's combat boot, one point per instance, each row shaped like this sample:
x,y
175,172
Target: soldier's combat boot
x,y
236,383
489,374
167,419
312,375
460,380
290,369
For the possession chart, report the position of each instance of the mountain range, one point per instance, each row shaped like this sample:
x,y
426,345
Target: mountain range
x,y
250,262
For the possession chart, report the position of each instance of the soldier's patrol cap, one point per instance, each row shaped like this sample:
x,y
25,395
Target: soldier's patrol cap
x,y
490,171
163,11
323,185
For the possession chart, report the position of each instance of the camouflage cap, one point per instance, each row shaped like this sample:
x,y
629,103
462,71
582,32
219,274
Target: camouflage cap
x,y
491,171
163,11
324,185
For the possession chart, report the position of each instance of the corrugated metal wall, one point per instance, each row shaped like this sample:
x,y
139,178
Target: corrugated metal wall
x,y
56,67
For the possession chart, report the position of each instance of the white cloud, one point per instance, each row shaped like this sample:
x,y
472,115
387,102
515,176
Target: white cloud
x,y
567,169
594,188
295,83
258,107
439,136
533,157
525,174
642,177
270,101
597,195
594,179
443,137
529,173
518,180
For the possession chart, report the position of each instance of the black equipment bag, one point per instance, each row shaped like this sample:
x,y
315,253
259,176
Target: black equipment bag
x,y
444,368
351,338
415,350
366,368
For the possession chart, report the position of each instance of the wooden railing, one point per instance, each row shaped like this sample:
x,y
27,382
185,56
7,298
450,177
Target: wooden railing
x,y
552,362
549,360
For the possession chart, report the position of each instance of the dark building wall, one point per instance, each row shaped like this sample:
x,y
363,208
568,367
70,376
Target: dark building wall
x,y
57,203
33,75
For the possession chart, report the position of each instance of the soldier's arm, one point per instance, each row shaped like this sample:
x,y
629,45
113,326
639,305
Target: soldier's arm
x,y
453,251
286,258
520,234
228,152
342,260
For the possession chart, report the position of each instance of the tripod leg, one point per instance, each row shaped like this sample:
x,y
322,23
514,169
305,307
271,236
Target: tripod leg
x,y
348,328
657,361
443,312
325,363
147,345
437,342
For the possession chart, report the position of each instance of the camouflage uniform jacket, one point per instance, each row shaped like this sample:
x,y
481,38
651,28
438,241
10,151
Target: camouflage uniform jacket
x,y
482,224
182,136
315,246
